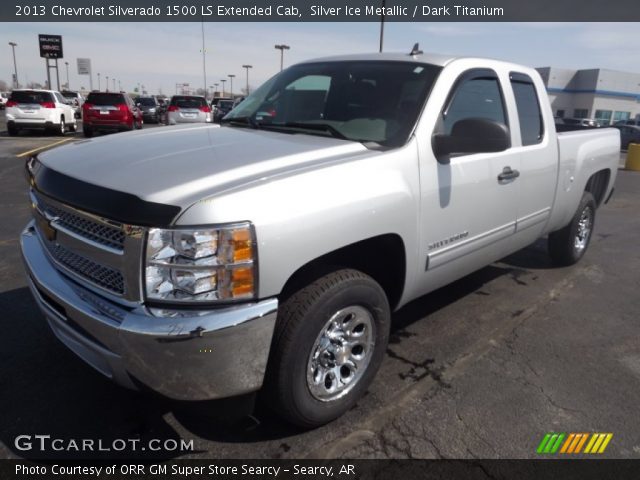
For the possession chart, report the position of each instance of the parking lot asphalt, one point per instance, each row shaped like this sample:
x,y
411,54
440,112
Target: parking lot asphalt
x,y
482,368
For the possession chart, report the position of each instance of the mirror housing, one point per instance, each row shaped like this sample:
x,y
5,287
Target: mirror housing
x,y
471,135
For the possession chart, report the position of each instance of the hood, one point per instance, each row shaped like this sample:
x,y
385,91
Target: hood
x,y
181,165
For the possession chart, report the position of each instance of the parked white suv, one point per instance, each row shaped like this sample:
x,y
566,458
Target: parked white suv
x,y
39,109
4,96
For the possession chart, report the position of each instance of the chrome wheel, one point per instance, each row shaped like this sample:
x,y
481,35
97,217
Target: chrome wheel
x,y
585,224
341,353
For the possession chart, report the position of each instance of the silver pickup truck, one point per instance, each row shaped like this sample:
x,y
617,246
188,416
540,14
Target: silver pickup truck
x,y
205,262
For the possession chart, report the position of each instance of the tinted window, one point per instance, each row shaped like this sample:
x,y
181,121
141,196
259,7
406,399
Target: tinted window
x,y
581,113
146,101
188,102
98,98
475,98
71,95
27,96
226,104
531,124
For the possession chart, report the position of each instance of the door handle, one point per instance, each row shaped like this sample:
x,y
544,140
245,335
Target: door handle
x,y
508,174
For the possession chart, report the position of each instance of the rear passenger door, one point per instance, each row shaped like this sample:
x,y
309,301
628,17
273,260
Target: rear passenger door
x,y
538,160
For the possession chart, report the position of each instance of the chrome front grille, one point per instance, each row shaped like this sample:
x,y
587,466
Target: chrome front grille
x,y
103,255
100,275
110,236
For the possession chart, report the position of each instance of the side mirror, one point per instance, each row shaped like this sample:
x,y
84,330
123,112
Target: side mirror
x,y
471,135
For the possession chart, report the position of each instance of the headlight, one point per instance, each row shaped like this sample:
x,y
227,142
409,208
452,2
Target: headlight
x,y
200,264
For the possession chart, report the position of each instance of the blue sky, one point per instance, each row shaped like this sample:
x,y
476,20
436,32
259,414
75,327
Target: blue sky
x,y
159,55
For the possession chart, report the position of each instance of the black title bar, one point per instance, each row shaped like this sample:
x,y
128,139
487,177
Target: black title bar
x,y
320,11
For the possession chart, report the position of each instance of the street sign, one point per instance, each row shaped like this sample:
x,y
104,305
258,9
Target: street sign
x,y
50,46
84,66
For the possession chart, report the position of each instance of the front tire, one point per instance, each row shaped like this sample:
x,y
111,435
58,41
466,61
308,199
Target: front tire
x,y
568,245
329,342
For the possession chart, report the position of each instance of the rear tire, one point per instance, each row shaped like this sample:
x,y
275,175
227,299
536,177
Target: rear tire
x,y
88,131
12,130
329,342
62,127
568,245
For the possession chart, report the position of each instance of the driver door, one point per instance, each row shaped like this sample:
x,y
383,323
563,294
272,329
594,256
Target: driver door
x,y
468,206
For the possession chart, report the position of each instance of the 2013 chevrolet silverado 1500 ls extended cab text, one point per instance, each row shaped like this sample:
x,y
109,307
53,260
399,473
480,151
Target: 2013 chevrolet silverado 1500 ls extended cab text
x,y
280,243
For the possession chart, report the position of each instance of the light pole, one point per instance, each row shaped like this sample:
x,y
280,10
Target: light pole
x,y
67,65
107,87
247,67
231,76
98,81
204,64
222,80
15,68
216,90
114,84
282,48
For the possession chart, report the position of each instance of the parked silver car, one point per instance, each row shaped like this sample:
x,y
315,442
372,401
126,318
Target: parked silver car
x,y
188,109
76,101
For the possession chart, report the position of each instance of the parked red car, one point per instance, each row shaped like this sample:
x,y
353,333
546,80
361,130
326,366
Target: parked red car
x,y
109,111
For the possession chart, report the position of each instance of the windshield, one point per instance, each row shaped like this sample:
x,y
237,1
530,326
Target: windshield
x,y
146,101
367,101
71,95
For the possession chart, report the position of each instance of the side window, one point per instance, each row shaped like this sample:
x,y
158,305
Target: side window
x,y
478,97
59,98
531,124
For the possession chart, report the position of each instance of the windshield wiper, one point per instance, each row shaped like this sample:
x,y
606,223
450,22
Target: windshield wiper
x,y
247,120
312,126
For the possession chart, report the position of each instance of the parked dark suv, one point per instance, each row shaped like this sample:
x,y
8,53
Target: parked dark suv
x,y
105,111
150,109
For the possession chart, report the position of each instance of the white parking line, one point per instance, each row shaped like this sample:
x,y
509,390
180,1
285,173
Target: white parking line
x,y
29,152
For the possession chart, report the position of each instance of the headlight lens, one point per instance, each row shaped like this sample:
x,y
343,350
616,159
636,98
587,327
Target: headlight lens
x,y
190,265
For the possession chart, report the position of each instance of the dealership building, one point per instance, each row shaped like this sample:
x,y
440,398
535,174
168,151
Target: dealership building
x,y
605,95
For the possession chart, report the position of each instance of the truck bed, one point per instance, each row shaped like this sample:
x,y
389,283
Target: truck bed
x,y
583,153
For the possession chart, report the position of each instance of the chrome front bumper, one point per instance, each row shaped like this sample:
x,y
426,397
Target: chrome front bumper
x,y
194,355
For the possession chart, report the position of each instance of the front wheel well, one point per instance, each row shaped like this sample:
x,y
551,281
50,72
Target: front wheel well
x,y
382,257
